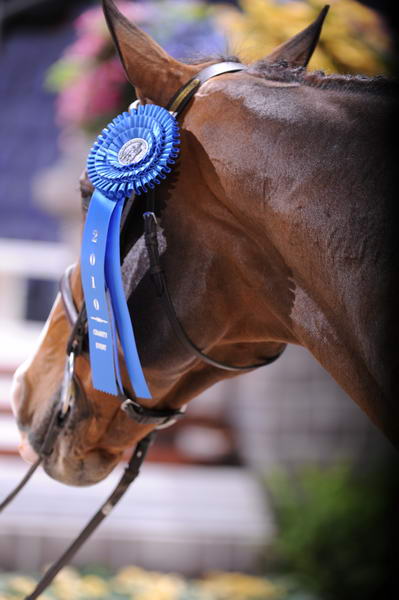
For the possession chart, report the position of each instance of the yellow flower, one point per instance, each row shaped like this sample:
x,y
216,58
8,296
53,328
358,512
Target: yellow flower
x,y
148,585
237,586
21,584
93,586
67,584
353,39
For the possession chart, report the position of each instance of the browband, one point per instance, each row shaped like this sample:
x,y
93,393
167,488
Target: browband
x,y
183,96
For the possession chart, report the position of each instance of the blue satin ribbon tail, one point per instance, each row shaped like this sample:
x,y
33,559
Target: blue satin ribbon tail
x,y
123,320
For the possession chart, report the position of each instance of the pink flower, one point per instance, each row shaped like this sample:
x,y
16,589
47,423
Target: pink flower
x,y
92,32
93,18
88,46
92,95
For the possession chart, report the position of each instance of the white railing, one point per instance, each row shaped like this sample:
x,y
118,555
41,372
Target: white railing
x,y
21,260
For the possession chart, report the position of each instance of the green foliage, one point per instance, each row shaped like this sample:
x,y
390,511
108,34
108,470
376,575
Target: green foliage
x,y
334,529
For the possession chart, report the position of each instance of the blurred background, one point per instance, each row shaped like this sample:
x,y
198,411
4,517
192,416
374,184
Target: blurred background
x,y
274,482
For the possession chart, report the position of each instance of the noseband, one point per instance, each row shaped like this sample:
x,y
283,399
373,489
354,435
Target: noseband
x,y
77,345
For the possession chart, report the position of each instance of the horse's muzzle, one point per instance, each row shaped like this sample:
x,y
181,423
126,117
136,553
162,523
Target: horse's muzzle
x,y
89,469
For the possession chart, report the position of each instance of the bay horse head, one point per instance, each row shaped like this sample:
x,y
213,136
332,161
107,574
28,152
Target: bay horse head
x,y
277,228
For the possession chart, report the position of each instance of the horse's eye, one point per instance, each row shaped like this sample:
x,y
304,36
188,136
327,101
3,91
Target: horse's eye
x,y
86,190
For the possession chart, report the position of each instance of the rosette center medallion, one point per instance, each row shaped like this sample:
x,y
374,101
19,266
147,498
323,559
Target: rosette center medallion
x,y
133,151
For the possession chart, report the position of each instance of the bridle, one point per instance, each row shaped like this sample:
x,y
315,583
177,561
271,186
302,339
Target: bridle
x,y
77,345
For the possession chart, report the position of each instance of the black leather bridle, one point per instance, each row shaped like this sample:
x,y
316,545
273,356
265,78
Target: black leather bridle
x,y
78,320
77,344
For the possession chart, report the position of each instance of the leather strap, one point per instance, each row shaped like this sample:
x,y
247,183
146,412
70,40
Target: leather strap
x,y
21,484
158,277
77,319
183,96
76,344
54,427
151,416
131,472
66,296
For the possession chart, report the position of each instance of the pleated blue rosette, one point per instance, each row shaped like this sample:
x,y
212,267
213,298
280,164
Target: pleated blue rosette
x,y
131,155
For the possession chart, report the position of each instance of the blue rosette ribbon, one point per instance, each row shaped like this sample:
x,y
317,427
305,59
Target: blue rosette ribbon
x,y
131,155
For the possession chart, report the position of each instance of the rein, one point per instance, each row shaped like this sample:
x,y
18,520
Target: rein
x,y
77,344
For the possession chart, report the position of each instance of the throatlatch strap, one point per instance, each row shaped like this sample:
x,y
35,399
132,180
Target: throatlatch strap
x,y
160,282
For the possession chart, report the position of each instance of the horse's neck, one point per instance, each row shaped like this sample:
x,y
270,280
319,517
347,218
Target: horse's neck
x,y
321,194
311,151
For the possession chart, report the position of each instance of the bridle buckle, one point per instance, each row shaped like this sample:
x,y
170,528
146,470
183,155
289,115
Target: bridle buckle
x,y
149,214
68,387
151,416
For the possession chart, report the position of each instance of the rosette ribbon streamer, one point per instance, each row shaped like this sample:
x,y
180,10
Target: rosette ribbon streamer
x,y
131,156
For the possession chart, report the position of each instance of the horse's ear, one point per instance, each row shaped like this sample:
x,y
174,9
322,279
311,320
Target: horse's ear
x,y
151,70
298,50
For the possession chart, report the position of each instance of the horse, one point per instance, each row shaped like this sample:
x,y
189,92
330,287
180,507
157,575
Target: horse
x,y
277,227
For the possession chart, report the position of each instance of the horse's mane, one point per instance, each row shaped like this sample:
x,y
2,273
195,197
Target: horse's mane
x,y
282,72
352,83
